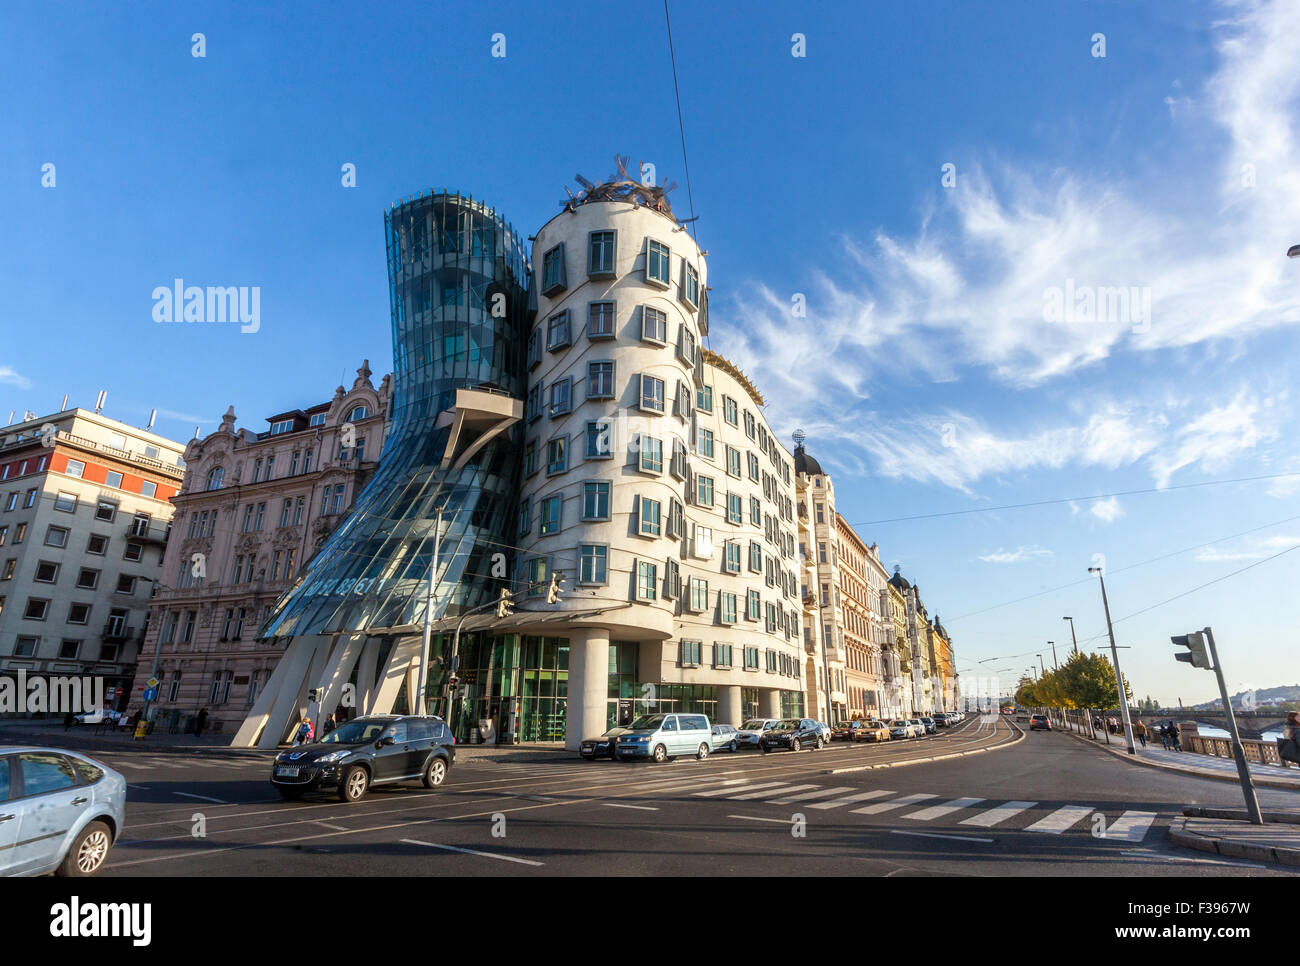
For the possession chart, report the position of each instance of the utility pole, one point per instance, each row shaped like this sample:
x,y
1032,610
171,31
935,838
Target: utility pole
x,y
1119,677
1074,637
423,705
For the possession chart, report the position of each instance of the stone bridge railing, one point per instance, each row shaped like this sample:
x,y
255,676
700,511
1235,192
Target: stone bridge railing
x,y
1250,724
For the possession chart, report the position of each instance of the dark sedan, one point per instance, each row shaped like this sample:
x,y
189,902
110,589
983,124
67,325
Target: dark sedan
x,y
792,734
602,747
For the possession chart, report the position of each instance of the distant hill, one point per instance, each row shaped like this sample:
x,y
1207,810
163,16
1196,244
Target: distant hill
x,y
1262,696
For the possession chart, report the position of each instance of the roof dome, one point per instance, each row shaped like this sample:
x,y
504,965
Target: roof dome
x,y
805,464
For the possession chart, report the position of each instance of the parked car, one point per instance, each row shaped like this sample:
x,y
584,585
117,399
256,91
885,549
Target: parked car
x,y
369,751
872,731
793,734
918,728
724,736
665,736
602,747
752,730
825,730
60,812
1039,722
844,730
928,724
944,719
900,728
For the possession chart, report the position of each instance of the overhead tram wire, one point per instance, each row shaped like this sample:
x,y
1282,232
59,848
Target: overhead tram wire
x,y
1077,499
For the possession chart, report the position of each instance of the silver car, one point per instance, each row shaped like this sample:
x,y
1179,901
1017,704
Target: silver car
x,y
60,812
752,730
725,736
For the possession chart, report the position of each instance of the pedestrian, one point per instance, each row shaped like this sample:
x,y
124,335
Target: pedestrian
x,y
1140,730
1288,746
304,732
1164,736
200,722
329,725
1173,737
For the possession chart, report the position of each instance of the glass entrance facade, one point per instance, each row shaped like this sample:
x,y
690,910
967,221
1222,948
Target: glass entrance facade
x,y
513,688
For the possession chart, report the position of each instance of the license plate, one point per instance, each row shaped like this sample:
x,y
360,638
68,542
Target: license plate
x,y
287,772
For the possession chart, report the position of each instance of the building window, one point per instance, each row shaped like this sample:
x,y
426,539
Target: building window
x,y
133,551
753,606
551,509
749,424
755,511
535,348
651,453
688,653
87,579
656,263
600,253
598,446
79,614
647,579
317,419
557,455
37,608
593,564
65,502
56,537
97,544
690,293
704,399
530,458
755,557
561,397
557,331
654,325
676,520
727,608
600,380
105,511
26,646
686,345
751,659
46,572
732,557
704,490
553,277
525,516
149,489
699,599
730,411
651,523
652,394
600,320
536,572
679,458
704,443
595,500
721,655
533,408
77,468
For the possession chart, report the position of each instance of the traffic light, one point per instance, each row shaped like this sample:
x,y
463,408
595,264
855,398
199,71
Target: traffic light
x,y
505,606
1197,655
313,695
553,591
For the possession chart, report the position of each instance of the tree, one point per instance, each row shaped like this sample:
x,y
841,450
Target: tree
x,y
1089,680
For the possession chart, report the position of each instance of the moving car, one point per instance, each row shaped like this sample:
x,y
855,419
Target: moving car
x,y
1039,722
602,747
60,812
375,750
752,730
665,736
872,731
794,734
724,736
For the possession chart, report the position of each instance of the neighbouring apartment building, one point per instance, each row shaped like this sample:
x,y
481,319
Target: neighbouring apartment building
x,y
84,523
825,666
254,507
859,603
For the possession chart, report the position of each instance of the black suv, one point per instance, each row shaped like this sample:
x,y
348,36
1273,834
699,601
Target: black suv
x,y
792,733
375,750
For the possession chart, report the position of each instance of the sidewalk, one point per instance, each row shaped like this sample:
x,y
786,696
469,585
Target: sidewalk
x,y
1225,831
1194,763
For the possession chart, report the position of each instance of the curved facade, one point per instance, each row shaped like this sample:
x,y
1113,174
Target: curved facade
x,y
458,280
653,483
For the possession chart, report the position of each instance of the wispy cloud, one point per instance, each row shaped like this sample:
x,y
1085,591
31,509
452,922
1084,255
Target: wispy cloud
x,y
1107,511
11,377
1255,549
1015,556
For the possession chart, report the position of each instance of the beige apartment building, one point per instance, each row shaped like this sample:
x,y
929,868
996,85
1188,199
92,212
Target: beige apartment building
x,y
84,522
859,604
825,667
253,508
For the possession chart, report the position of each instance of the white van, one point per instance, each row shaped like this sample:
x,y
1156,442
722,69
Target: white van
x,y
665,736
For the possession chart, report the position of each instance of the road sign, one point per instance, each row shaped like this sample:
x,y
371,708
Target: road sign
x,y
150,694
152,682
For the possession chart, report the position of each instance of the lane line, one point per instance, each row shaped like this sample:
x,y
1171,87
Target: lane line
x,y
850,799
729,786
781,789
1061,819
486,855
821,793
891,805
205,798
755,818
939,811
941,835
642,808
996,816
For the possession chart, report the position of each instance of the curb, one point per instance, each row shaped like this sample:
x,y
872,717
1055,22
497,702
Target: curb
x,y
921,761
1277,854
1260,781
1207,811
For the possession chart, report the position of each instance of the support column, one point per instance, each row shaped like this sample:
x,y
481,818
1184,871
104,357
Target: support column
x,y
588,686
729,707
769,702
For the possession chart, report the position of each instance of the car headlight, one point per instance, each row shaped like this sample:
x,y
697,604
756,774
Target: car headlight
x,y
333,756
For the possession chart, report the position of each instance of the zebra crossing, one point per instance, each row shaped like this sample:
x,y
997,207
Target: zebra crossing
x,y
1130,827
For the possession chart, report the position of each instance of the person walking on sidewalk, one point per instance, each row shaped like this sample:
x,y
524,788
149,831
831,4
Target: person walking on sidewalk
x,y
1173,737
1164,736
1140,730
200,722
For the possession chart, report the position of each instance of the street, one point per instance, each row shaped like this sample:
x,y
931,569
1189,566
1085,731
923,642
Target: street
x,y
1010,803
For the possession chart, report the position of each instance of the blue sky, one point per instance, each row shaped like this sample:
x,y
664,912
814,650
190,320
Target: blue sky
x,y
925,371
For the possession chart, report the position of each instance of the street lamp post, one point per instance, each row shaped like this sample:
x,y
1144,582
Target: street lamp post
x,y
1119,677
1055,664
1073,636
157,651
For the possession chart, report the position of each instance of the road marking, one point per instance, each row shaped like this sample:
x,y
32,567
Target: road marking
x,y
486,855
940,835
1132,826
1155,856
729,787
891,805
781,789
996,816
822,793
205,798
938,811
850,799
755,818
125,764
337,828
643,808
1061,819
159,763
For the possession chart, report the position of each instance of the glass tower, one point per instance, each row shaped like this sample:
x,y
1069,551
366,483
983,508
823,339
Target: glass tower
x,y
458,287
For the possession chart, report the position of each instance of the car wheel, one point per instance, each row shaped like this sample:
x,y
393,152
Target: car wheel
x,y
290,794
355,783
794,744
88,852
702,752
435,773
732,747
819,744
660,754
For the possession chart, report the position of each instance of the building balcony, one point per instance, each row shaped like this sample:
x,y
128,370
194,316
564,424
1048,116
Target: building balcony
x,y
138,531
118,633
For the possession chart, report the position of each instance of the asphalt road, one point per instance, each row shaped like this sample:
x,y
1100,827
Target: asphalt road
x,y
1033,804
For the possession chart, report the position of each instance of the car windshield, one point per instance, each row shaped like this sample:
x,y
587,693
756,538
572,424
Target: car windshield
x,y
758,724
355,732
791,724
898,724
648,722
